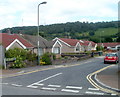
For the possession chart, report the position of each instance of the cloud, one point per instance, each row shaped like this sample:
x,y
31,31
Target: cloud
x,y
24,12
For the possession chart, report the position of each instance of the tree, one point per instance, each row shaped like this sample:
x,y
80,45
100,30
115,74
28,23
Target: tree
x,y
95,39
118,39
108,39
91,33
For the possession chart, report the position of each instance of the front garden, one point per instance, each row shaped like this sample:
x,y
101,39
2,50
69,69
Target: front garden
x,y
26,58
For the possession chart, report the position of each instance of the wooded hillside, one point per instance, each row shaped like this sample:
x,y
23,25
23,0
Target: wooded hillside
x,y
108,31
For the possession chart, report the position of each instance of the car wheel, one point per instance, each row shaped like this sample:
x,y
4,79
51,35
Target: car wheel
x,y
104,62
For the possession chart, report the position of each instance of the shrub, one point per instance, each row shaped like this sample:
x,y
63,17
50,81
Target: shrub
x,y
2,66
88,52
53,56
13,53
42,63
18,63
99,48
66,57
21,55
46,58
31,56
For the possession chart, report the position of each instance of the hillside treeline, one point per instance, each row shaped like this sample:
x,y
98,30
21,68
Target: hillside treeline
x,y
78,30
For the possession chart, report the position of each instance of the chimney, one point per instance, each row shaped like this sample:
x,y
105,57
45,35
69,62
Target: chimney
x,y
9,32
20,32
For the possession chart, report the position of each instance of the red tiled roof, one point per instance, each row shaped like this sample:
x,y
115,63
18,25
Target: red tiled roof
x,y
86,43
93,43
109,44
6,39
71,42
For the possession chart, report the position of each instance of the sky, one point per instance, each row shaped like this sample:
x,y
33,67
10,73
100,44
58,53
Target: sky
x,y
14,13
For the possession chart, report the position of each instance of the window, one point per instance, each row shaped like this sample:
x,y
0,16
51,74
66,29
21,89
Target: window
x,y
56,50
41,51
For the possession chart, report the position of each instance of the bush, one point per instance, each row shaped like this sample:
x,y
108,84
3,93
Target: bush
x,y
53,56
46,58
21,55
88,52
31,56
18,63
2,66
13,53
99,48
42,63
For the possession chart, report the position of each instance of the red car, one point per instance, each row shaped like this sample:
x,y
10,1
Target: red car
x,y
111,57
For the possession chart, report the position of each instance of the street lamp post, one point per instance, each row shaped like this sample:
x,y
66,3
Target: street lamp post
x,y
38,33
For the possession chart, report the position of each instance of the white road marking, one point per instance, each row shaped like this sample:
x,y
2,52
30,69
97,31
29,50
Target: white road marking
x,y
16,85
52,89
93,89
67,90
32,85
38,83
87,92
98,93
73,87
94,93
49,77
113,94
57,86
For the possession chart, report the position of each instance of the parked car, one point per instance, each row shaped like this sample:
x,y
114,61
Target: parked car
x,y
111,57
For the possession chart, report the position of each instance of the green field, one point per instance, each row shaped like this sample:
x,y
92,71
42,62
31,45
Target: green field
x,y
106,32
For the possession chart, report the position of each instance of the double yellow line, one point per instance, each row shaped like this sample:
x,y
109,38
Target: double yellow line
x,y
89,78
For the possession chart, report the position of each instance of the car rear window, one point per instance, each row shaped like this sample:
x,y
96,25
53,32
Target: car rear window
x,y
111,55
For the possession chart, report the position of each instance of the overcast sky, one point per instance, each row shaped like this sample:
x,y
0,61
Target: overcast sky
x,y
24,12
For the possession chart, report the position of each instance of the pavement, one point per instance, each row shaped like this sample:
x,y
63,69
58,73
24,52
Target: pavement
x,y
108,77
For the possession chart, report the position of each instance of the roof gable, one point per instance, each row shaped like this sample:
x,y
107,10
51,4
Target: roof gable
x,y
6,40
71,42
16,40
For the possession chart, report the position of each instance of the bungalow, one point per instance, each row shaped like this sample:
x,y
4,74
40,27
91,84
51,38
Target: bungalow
x,y
111,46
10,41
64,45
89,45
45,45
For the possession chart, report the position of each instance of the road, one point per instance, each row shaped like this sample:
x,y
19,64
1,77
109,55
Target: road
x,y
67,80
